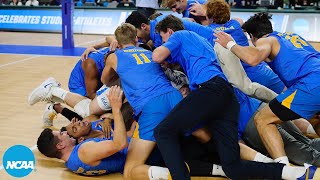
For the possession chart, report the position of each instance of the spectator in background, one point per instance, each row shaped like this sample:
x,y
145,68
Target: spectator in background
x,y
16,3
54,2
147,7
32,3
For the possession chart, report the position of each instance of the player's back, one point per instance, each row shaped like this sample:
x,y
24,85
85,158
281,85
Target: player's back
x,y
76,82
233,28
195,55
141,78
111,164
295,59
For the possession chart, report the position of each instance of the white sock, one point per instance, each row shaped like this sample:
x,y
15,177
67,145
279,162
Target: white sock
x,y
262,158
157,173
283,160
311,130
292,172
217,170
59,93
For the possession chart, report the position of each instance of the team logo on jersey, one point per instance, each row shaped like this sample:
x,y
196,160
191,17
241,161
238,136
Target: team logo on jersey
x,y
18,161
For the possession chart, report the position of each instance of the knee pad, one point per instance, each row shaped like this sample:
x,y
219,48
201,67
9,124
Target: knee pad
x,y
82,108
102,98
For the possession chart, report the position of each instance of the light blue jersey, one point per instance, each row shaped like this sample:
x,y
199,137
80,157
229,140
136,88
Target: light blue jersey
x,y
111,164
77,78
295,60
147,89
141,78
248,106
195,55
261,73
298,66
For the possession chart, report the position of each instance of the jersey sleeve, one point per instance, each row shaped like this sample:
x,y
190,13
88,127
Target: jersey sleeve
x,y
204,31
173,44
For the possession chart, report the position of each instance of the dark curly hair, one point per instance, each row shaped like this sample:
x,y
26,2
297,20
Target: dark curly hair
x,y
258,25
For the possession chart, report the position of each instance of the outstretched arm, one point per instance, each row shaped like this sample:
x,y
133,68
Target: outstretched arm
x,y
252,55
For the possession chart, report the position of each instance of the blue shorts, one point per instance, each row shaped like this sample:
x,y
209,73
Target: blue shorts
x,y
76,81
153,112
301,98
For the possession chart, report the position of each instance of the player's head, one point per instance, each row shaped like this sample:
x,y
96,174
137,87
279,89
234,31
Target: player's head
x,y
168,26
258,25
77,129
126,34
51,143
141,23
218,11
176,5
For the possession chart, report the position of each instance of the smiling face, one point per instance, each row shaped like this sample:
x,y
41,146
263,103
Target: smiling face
x,y
77,129
179,6
64,138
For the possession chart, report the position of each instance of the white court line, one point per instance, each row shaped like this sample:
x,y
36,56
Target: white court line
x,y
26,59
32,149
85,43
39,55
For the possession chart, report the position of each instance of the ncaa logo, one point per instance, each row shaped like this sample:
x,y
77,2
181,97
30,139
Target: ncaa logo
x,y
18,161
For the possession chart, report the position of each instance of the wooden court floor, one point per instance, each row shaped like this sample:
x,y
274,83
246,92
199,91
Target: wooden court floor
x,y
21,123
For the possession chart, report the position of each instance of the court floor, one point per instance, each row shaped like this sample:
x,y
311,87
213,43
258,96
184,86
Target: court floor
x,y
21,123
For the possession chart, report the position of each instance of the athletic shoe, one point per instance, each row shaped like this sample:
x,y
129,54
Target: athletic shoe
x,y
48,115
310,173
42,92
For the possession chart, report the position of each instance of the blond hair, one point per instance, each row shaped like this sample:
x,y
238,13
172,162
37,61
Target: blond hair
x,y
126,34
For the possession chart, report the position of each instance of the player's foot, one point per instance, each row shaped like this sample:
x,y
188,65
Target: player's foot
x,y
48,115
42,92
310,173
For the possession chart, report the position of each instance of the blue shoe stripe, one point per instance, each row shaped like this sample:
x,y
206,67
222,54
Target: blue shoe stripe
x,y
310,172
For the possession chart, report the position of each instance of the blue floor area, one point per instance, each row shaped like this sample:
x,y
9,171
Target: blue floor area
x,y
41,50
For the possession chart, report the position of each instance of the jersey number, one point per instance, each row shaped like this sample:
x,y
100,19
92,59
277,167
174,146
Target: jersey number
x,y
138,59
295,40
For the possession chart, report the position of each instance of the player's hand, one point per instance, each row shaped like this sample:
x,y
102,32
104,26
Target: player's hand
x,y
197,9
115,97
106,127
74,120
106,115
113,45
86,53
222,38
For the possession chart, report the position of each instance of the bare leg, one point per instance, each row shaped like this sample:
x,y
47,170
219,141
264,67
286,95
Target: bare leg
x,y
247,153
266,122
138,152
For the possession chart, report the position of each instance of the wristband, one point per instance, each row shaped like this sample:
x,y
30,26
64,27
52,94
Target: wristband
x,y
230,44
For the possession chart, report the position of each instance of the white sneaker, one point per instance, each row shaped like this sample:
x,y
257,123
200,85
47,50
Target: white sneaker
x,y
42,92
48,115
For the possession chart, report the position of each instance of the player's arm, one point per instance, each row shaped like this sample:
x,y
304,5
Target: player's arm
x,y
109,69
251,55
91,78
92,152
160,54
